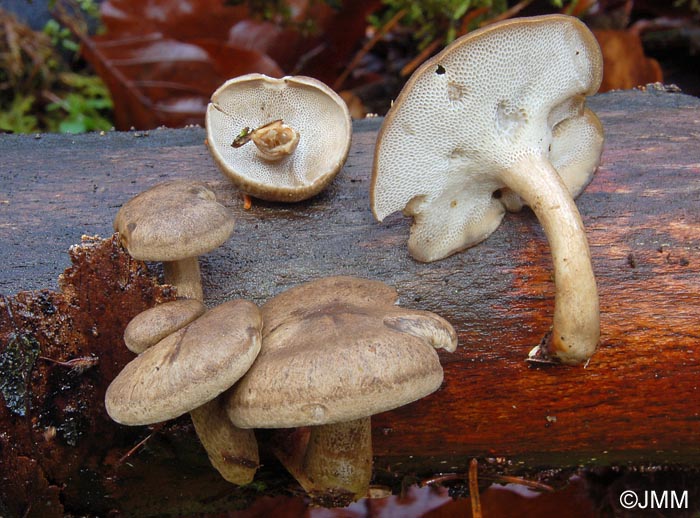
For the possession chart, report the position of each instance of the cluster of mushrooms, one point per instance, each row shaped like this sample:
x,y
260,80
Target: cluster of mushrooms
x,y
494,122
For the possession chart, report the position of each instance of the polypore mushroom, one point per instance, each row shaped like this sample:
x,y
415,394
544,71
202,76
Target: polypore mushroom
x,y
187,370
501,112
336,351
175,222
302,131
152,325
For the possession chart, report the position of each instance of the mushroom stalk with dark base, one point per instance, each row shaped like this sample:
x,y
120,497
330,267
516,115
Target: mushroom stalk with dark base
x,y
576,327
338,456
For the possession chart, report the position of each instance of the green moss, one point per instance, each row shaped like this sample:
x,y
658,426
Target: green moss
x,y
16,363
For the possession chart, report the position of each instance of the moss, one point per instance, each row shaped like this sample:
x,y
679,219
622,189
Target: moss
x,y
16,363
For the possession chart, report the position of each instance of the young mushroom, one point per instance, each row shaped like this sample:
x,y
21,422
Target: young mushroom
x,y
300,128
336,351
495,120
186,372
152,325
175,222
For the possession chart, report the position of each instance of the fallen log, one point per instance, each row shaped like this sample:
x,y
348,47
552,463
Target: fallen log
x,y
636,403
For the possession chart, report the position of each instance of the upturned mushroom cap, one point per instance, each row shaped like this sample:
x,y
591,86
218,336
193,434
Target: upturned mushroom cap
x,y
187,368
307,106
331,354
151,326
492,97
172,221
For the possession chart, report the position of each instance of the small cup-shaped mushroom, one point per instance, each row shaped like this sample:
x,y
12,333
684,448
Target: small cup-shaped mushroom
x,y
300,128
332,356
189,369
175,222
501,112
152,325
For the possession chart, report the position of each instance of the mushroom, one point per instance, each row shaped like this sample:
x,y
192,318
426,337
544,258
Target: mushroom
x,y
495,120
302,135
336,351
175,222
188,369
152,325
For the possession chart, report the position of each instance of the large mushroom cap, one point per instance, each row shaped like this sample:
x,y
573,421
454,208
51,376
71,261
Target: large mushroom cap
x,y
331,355
172,221
311,108
489,99
187,368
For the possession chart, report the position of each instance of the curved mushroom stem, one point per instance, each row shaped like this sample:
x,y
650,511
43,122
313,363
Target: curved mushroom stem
x,y
185,276
333,462
576,327
232,451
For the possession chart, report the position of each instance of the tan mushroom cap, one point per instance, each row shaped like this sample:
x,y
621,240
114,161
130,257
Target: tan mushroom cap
x,y
487,101
331,355
187,368
152,325
172,221
304,104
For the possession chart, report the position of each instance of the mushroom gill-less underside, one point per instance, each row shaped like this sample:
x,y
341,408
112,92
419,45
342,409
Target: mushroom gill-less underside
x,y
494,121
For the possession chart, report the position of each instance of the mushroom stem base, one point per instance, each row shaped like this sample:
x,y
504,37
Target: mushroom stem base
x,y
333,463
576,323
185,276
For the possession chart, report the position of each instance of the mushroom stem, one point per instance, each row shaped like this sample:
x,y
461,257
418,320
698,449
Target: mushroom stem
x,y
576,327
338,458
275,140
232,451
332,462
184,275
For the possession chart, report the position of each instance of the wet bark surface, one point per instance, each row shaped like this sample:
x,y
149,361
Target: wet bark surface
x,y
636,403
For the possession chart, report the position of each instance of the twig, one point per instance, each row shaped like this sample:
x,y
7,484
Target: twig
x,y
420,58
140,444
507,479
508,13
378,35
470,17
474,489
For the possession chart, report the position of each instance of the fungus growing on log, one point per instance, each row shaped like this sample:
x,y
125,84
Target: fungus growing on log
x,y
336,351
302,135
185,372
175,222
495,120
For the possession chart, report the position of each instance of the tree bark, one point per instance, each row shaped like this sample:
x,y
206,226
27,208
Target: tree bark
x,y
637,402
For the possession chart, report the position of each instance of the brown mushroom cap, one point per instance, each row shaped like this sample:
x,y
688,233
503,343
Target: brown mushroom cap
x,y
305,104
172,221
187,368
331,354
152,325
